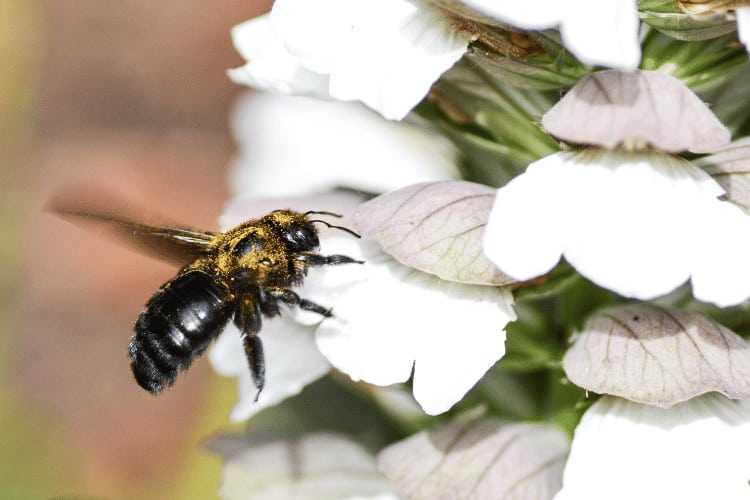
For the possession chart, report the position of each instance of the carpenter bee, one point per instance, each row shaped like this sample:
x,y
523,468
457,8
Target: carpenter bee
x,y
241,275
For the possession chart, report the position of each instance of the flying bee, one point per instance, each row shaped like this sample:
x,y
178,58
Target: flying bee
x,y
241,275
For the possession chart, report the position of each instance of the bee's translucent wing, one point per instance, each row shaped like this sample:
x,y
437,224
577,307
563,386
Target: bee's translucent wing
x,y
179,245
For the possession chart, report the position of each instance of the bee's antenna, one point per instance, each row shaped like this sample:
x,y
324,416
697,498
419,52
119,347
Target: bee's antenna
x,y
322,212
336,227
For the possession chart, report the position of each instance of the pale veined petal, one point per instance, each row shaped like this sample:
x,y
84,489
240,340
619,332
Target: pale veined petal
x,y
657,356
478,458
612,108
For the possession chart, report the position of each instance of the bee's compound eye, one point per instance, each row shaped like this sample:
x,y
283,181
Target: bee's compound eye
x,y
301,237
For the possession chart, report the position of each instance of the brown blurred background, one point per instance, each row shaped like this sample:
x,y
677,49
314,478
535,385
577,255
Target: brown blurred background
x,y
131,96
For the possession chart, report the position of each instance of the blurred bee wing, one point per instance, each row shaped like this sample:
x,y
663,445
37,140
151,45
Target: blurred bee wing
x,y
174,244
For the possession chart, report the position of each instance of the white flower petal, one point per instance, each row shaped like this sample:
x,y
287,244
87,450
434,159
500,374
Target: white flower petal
x,y
292,146
598,32
603,32
743,25
270,66
634,229
399,317
539,198
292,362
694,450
385,53
637,224
722,276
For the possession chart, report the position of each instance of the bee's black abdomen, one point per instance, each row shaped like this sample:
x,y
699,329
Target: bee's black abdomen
x,y
177,325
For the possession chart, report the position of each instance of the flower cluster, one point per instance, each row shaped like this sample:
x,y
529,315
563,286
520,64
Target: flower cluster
x,y
566,281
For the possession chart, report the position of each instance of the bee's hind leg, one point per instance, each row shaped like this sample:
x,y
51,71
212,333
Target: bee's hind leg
x,y
248,320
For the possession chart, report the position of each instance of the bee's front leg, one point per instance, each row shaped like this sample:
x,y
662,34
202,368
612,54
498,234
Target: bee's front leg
x,y
291,299
314,259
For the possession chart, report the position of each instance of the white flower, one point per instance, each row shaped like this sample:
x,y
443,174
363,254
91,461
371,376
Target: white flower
x,y
598,32
694,450
385,53
291,146
639,224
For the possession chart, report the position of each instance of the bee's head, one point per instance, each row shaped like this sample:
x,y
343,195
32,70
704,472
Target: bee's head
x,y
295,230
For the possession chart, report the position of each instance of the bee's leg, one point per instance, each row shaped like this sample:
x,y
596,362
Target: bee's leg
x,y
314,259
248,320
291,299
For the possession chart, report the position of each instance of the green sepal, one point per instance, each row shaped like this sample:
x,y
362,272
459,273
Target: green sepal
x,y
543,71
